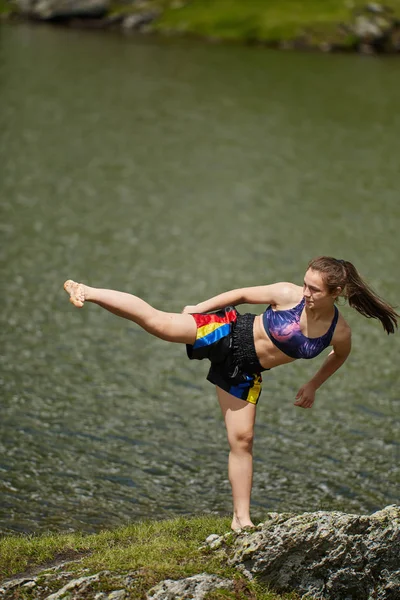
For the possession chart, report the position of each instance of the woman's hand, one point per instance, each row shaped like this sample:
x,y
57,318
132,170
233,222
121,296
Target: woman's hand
x,y
305,396
189,309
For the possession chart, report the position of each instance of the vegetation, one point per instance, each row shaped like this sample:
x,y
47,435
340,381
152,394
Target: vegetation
x,y
307,23
156,550
272,21
6,7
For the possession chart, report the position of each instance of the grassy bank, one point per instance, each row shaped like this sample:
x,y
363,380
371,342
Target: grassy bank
x,y
328,25
6,7
269,21
156,550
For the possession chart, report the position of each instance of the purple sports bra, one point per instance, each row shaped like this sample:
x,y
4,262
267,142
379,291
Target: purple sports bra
x,y
283,329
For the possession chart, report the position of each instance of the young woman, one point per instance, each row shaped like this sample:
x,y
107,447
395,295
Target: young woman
x,y
300,322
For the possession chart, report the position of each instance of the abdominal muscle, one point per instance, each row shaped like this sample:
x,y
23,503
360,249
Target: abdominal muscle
x,y
268,354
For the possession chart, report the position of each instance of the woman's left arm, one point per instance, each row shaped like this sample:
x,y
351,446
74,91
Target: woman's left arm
x,y
341,349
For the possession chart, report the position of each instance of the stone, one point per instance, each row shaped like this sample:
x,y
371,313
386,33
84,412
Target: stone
x,y
15,583
70,584
328,555
117,595
195,587
58,9
81,583
366,28
212,538
375,8
139,21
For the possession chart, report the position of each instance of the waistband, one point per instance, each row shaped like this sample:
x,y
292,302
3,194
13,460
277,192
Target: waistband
x,y
244,352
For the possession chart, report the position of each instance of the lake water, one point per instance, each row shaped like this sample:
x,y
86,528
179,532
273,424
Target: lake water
x,y
176,170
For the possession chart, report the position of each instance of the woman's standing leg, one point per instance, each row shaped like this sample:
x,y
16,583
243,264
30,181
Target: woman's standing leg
x,y
172,327
239,417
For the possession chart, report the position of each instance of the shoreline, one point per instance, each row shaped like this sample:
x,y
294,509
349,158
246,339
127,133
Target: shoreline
x,y
350,27
322,553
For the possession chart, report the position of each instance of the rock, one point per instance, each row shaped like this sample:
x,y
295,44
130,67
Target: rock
x,y
214,541
15,583
82,583
212,538
117,595
373,27
70,584
62,9
195,587
328,555
366,28
375,8
139,20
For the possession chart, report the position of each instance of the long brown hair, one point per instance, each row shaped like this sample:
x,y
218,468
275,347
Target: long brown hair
x,y
342,273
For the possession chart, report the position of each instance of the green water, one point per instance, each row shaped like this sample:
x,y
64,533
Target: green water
x,y
177,170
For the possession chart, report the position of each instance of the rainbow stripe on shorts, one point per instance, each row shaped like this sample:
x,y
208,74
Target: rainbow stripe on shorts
x,y
214,341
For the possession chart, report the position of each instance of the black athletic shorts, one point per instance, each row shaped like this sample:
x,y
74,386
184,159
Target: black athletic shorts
x,y
226,338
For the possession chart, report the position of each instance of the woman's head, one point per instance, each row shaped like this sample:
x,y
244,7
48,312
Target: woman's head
x,y
333,273
341,278
317,292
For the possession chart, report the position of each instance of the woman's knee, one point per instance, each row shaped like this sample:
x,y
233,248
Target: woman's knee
x,y
241,439
158,324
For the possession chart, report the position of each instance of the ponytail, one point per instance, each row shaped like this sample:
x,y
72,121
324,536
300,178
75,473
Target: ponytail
x,y
342,273
361,297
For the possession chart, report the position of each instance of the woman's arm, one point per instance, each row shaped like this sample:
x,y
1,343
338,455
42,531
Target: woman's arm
x,y
341,349
275,293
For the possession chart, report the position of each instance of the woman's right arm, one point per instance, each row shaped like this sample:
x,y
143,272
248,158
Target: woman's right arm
x,y
274,294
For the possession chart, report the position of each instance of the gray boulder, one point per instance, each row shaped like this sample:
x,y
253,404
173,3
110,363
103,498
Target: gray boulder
x,y
324,555
58,9
195,587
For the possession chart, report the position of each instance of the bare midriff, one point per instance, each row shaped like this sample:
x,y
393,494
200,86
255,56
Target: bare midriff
x,y
268,354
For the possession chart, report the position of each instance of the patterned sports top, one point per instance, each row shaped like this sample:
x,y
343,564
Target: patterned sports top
x,y
283,329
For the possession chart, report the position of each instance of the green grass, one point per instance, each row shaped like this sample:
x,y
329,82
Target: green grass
x,y
261,20
6,7
156,549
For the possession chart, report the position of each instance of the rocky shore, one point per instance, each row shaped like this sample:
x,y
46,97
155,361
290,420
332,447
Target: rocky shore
x,y
367,28
320,555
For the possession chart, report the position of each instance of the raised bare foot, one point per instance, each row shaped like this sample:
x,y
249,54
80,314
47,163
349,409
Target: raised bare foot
x,y
76,292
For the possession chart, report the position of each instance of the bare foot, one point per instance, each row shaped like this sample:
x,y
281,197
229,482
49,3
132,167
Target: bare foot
x,y
76,292
239,524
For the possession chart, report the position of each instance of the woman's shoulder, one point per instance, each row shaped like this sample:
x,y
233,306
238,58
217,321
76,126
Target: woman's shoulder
x,y
342,329
288,294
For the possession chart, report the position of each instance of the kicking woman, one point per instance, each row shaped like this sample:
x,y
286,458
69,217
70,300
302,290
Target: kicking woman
x,y
300,322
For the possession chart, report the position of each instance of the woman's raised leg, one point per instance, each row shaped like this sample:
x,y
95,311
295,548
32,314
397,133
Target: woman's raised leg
x,y
172,327
239,419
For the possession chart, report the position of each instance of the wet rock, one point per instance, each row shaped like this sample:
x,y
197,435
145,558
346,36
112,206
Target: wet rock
x,y
328,555
195,587
58,9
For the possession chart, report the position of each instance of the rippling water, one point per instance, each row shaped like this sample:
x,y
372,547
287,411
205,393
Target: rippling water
x,y
177,170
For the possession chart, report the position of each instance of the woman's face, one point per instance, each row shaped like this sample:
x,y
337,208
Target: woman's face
x,y
315,291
